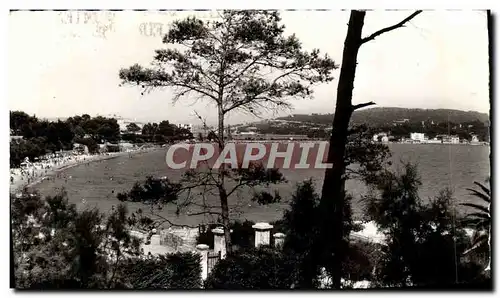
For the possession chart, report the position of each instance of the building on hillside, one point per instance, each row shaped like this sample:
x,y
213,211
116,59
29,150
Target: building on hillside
x,y
201,130
187,126
418,137
247,133
80,148
451,140
381,137
400,122
285,137
434,141
124,122
268,137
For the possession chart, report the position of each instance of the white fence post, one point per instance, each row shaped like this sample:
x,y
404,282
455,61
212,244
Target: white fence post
x,y
262,233
155,237
203,251
279,239
219,242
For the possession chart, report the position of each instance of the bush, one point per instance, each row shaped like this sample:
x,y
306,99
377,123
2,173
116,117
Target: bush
x,y
56,246
74,250
361,259
262,268
90,143
242,235
423,244
20,149
112,148
186,270
172,271
205,236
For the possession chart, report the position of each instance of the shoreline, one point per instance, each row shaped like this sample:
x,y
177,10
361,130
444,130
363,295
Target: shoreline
x,y
42,174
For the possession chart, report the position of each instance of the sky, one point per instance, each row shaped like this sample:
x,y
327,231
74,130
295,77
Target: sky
x,y
62,64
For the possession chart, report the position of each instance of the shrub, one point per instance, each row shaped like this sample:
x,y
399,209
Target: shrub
x,y
361,259
262,268
423,244
90,143
172,271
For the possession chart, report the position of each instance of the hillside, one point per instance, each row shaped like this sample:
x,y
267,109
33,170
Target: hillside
x,y
384,116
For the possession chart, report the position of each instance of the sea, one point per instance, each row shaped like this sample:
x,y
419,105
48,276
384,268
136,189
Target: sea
x,y
96,184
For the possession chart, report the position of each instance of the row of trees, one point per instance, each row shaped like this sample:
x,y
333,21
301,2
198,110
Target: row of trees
x,y
99,128
163,132
40,137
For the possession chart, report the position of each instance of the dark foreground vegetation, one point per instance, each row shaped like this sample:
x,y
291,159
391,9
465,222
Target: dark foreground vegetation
x,y
56,246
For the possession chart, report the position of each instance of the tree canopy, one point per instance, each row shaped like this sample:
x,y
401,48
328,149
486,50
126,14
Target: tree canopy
x,y
239,61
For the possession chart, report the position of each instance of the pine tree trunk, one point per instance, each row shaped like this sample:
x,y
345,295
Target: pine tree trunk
x,y
332,198
222,189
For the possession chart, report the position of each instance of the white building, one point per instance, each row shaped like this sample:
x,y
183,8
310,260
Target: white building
x,y
123,122
434,141
247,133
451,140
417,136
382,137
187,126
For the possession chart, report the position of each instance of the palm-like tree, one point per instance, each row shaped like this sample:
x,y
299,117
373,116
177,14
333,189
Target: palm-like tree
x,y
480,220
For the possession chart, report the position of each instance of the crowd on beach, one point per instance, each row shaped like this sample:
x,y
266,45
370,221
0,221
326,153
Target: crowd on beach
x,y
51,166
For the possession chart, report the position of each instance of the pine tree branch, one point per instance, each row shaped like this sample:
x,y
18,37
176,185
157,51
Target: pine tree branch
x,y
362,105
204,213
390,28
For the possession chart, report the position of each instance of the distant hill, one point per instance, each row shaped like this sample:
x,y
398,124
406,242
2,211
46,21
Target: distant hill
x,y
384,116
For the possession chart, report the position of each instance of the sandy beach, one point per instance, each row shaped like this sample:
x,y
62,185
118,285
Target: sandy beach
x,y
36,172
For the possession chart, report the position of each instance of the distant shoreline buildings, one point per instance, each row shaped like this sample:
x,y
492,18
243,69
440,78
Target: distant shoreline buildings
x,y
187,126
421,138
